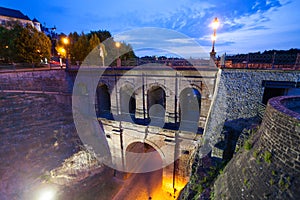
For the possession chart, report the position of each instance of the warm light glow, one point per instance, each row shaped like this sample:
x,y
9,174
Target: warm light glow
x,y
213,37
65,40
6,47
215,24
47,194
118,44
61,51
168,186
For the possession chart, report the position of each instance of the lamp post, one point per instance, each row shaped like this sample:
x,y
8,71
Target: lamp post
x,y
66,42
118,45
215,25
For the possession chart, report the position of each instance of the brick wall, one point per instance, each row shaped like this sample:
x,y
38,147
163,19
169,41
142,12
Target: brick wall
x,y
281,131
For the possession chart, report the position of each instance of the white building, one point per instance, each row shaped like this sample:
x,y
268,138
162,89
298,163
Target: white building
x,y
7,15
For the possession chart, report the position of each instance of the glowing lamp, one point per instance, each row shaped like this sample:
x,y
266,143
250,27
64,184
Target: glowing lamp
x,y
118,44
65,40
215,24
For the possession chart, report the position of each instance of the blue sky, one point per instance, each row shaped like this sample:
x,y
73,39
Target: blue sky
x,y
246,26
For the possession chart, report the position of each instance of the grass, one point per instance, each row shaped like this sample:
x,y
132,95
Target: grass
x,y
271,181
267,157
255,153
281,182
273,172
244,170
258,160
247,145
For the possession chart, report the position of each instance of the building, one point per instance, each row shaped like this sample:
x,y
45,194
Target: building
x,y
8,15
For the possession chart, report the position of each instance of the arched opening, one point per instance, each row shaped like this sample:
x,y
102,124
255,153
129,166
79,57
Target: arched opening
x,y
156,101
103,101
189,108
127,102
144,184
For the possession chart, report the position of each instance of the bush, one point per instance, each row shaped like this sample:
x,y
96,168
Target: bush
x,y
267,157
247,145
255,153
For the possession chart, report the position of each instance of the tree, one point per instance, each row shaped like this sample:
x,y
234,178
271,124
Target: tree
x,y
24,44
31,45
101,34
92,45
5,44
80,49
93,42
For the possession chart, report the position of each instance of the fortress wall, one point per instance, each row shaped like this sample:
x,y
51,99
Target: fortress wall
x,y
237,94
281,132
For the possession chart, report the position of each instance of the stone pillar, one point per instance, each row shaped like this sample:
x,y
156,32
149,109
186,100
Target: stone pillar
x,y
114,96
139,110
170,108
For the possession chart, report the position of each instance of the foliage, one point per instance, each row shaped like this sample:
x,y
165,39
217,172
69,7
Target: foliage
x,y
271,181
93,42
23,44
87,47
247,145
255,153
267,157
80,49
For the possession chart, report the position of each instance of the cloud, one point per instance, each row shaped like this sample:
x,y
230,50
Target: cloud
x,y
273,29
162,42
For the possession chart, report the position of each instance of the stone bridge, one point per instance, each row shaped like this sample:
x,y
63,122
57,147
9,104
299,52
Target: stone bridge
x,y
163,110
160,109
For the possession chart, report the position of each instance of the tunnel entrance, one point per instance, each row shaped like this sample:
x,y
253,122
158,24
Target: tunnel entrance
x,y
103,101
144,157
272,92
156,97
189,108
279,88
146,185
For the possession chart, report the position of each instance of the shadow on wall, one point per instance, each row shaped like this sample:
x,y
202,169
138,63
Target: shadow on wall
x,y
232,131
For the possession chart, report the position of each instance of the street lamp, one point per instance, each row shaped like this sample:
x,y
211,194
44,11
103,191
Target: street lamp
x,y
66,42
118,45
215,25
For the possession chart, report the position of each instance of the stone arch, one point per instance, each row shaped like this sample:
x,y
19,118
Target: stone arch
x,y
153,85
103,101
156,95
135,157
155,146
189,106
127,100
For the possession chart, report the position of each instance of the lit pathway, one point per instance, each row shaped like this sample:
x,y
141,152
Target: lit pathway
x,y
143,186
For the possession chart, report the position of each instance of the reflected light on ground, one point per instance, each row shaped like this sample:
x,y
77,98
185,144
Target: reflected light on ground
x,y
168,187
47,194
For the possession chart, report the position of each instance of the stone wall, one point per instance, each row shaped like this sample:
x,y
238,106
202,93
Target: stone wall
x,y
37,134
270,168
45,81
281,131
236,98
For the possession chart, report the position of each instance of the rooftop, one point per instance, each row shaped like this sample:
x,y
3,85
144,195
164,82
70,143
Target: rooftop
x,y
12,13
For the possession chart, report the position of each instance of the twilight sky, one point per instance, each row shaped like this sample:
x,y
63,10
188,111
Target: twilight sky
x,y
246,26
